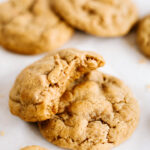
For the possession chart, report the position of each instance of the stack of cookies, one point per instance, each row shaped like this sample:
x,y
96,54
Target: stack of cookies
x,y
75,106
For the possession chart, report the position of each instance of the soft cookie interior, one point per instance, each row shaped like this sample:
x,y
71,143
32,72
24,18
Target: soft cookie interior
x,y
37,90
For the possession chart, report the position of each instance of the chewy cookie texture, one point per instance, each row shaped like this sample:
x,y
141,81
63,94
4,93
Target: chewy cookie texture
x,y
37,90
143,35
104,18
96,112
31,27
34,147
76,106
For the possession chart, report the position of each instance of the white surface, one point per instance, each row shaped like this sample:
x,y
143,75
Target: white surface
x,y
121,60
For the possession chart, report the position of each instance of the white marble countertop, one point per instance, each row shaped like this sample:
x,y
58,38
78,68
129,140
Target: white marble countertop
x,y
122,60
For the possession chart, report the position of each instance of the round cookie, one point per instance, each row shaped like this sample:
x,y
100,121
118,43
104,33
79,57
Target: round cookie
x,y
104,18
34,147
97,112
37,90
31,27
143,35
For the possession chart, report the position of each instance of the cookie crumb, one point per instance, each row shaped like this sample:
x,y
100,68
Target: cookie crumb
x,y
2,133
142,61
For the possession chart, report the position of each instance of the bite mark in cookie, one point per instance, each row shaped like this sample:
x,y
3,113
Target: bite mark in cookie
x,y
37,90
34,147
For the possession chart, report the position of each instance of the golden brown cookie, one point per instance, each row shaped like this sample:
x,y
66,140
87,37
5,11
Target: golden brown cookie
x,y
33,148
37,90
97,112
143,35
104,18
31,27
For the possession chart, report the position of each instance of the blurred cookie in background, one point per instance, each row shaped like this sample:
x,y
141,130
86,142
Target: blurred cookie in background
x,y
36,92
97,113
143,35
104,18
31,27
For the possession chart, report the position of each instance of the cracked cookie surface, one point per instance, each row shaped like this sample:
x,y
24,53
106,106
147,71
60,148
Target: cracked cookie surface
x,y
34,147
96,112
36,92
143,35
105,18
31,27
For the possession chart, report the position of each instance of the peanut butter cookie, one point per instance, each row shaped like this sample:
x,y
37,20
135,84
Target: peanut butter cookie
x,y
33,148
31,27
143,35
37,90
104,18
97,112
